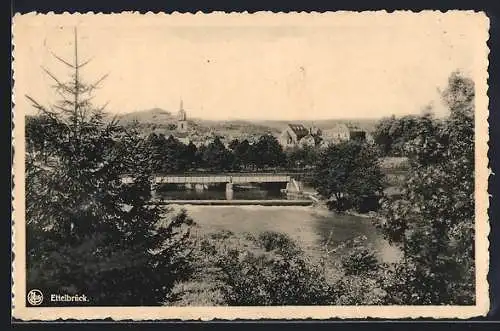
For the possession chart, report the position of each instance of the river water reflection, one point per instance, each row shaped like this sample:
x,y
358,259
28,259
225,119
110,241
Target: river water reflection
x,y
219,193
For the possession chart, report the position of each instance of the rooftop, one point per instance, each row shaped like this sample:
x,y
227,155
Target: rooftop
x,y
299,129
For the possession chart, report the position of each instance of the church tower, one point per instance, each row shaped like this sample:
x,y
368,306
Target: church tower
x,y
182,124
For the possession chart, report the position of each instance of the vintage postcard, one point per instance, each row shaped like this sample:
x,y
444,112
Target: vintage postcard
x,y
250,166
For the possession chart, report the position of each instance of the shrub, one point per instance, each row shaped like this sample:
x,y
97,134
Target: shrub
x,y
360,261
268,270
270,240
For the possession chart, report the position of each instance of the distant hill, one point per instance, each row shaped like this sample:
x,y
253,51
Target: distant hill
x,y
161,117
163,121
365,124
155,115
247,127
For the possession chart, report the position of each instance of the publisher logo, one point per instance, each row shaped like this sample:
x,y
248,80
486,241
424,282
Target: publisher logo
x,y
35,297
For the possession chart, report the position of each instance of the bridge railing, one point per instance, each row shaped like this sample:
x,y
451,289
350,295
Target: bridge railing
x,y
234,174
231,173
212,177
219,178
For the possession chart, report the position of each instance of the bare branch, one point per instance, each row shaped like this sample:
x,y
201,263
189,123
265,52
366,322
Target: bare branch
x,y
60,84
58,91
51,75
63,61
65,101
98,82
34,102
85,63
69,112
103,107
50,114
85,101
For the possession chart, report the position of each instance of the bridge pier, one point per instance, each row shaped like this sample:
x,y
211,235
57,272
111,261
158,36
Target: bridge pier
x,y
153,190
294,188
199,187
229,191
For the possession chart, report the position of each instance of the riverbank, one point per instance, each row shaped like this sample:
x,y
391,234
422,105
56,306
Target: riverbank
x,y
320,204
280,202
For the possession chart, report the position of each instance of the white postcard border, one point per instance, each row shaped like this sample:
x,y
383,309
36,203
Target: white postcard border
x,y
21,312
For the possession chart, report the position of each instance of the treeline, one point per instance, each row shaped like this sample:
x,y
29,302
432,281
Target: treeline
x,y
169,155
392,134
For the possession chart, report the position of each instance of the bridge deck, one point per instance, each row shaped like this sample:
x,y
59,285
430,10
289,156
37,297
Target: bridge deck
x,y
279,202
213,179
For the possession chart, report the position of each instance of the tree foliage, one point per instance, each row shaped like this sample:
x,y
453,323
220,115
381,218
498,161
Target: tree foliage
x,y
169,155
190,156
347,174
216,156
88,231
302,157
243,154
359,261
392,134
268,269
268,152
433,221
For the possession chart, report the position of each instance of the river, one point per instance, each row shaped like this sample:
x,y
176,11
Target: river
x,y
218,192
313,227
310,227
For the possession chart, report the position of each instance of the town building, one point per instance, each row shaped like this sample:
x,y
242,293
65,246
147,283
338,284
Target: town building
x,y
342,132
308,140
298,135
183,137
292,134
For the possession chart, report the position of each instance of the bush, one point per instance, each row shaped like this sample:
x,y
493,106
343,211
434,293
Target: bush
x,y
360,261
359,290
281,242
268,270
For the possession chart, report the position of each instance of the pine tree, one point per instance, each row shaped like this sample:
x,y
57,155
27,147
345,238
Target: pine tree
x,y
88,231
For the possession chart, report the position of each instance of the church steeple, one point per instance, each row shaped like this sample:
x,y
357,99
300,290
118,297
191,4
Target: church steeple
x,y
182,121
182,112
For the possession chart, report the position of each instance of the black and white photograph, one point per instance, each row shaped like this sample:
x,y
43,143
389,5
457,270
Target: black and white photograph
x,y
262,165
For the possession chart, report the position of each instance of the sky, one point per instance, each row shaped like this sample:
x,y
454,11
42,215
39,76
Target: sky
x,y
253,67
